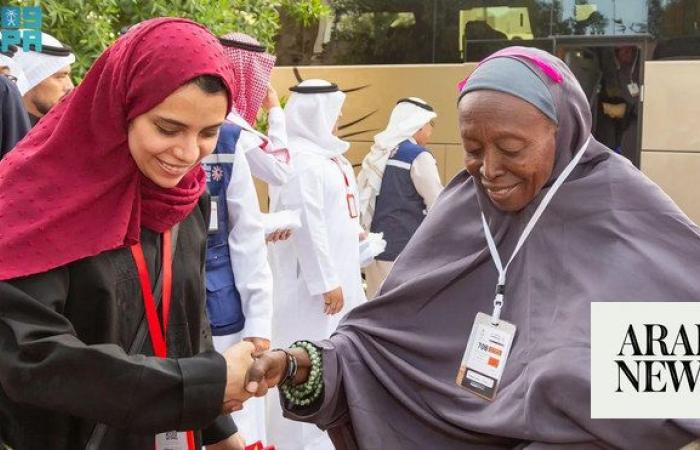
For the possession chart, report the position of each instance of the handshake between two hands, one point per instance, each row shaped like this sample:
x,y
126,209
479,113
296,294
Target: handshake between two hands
x,y
252,369
252,374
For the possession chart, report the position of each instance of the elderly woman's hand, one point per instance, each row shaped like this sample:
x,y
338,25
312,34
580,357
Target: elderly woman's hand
x,y
269,368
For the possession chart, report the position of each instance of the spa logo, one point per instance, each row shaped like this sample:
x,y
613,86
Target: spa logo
x,y
20,26
645,360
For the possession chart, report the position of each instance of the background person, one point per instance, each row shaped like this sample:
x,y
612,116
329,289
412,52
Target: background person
x,y
317,271
48,76
399,182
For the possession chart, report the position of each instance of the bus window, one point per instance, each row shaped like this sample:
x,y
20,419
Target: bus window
x,y
603,17
449,31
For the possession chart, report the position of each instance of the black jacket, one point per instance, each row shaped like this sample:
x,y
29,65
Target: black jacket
x,y
63,365
14,122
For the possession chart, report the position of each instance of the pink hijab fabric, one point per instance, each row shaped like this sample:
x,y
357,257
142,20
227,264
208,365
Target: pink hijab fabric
x,y
71,189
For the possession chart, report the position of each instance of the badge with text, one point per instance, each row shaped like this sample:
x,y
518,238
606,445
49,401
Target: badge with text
x,y
633,89
352,206
214,216
485,356
172,440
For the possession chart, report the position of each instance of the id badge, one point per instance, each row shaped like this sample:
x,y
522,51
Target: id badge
x,y
633,89
172,440
352,205
485,356
214,215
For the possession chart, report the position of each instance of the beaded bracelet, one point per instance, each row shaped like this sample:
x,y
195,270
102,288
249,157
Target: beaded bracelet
x,y
308,392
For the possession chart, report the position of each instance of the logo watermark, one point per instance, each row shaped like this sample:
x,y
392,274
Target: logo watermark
x,y
645,360
21,26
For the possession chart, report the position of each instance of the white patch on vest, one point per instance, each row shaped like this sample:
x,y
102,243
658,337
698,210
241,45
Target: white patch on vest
x,y
399,164
216,158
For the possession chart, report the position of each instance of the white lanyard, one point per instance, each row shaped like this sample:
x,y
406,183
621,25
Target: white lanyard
x,y
501,287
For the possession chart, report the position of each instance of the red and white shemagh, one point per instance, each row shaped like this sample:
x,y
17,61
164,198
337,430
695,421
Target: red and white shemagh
x,y
252,71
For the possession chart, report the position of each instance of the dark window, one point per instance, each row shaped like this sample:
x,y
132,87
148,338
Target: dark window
x,y
442,31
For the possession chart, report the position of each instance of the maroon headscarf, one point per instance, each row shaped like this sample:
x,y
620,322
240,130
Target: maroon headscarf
x,y
71,189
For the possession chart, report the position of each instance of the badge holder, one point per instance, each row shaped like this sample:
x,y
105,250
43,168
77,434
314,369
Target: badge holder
x,y
352,205
175,440
633,89
214,215
485,356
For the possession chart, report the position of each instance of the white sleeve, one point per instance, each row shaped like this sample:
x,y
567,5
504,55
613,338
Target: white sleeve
x,y
267,167
249,251
277,128
426,179
305,193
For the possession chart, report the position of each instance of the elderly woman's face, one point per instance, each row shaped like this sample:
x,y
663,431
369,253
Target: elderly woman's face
x,y
509,146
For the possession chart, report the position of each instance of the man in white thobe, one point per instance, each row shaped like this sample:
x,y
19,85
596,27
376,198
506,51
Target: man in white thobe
x,y
317,272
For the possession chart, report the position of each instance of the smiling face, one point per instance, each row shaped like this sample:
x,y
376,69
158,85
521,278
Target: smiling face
x,y
173,137
509,146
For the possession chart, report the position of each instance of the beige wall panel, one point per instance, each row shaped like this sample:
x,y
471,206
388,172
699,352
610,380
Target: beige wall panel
x,y
357,152
454,161
386,84
261,188
671,106
438,151
677,174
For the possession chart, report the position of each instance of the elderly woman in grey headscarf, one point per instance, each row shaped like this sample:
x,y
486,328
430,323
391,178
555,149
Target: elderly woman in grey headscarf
x,y
602,232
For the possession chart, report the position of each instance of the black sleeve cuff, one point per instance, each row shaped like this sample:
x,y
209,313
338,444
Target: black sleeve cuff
x,y
220,429
204,381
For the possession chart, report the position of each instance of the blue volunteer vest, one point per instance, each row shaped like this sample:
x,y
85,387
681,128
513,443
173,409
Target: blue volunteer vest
x,y
223,300
399,208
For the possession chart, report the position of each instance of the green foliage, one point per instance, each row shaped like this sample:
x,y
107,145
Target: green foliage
x,y
90,26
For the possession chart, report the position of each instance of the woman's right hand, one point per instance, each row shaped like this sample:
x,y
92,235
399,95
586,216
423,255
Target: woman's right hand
x,y
238,358
269,368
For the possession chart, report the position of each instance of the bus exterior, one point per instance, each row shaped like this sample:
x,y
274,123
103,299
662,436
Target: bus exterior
x,y
638,61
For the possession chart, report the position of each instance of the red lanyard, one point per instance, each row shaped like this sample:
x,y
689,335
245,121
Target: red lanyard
x,y
349,197
157,335
345,177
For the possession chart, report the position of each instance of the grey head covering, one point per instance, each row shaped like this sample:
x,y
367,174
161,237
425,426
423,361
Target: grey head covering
x,y
609,234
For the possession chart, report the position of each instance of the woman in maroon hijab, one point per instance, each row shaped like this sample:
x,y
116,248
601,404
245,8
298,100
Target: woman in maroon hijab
x,y
104,343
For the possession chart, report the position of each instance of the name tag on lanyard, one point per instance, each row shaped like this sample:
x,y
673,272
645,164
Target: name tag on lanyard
x,y
171,440
485,356
349,196
214,215
175,440
352,205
